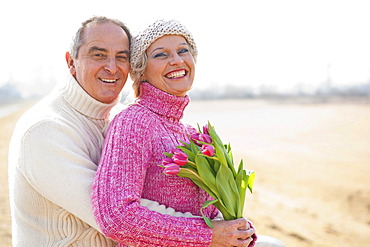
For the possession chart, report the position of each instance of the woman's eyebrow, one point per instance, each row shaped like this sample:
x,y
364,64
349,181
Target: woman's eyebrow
x,y
158,48
161,48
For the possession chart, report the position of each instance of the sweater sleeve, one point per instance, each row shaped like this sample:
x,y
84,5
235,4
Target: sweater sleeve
x,y
118,187
55,163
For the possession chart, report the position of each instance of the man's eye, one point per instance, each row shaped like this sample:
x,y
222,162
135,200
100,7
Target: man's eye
x,y
162,54
98,56
122,58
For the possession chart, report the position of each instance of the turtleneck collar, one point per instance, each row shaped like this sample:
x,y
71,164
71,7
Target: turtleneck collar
x,y
82,102
162,103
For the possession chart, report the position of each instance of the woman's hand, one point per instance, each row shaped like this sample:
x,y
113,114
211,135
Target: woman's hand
x,y
232,233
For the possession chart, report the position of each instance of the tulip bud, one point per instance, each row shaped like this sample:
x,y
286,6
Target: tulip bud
x,y
207,150
206,129
166,161
171,169
205,138
195,138
179,157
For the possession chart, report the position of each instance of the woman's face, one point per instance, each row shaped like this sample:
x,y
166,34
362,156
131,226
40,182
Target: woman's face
x,y
170,66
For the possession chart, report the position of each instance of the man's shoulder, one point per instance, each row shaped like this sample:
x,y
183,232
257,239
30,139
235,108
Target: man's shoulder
x,y
47,113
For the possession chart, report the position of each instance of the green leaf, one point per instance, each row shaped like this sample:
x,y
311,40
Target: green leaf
x,y
168,154
187,145
216,166
208,203
225,212
230,152
241,182
206,173
206,219
194,176
193,147
199,130
241,166
213,134
227,189
219,152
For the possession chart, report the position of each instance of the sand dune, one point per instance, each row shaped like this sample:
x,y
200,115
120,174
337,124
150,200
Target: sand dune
x,y
312,163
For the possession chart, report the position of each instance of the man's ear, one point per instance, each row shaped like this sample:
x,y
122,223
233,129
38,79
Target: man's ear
x,y
71,64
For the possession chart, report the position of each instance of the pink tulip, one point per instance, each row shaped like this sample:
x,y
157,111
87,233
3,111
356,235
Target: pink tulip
x,y
195,138
201,137
207,150
166,161
205,138
206,129
179,157
171,169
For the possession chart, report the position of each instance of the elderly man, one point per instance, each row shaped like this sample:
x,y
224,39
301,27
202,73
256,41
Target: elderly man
x,y
56,144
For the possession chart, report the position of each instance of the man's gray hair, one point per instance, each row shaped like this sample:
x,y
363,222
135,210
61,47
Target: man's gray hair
x,y
77,41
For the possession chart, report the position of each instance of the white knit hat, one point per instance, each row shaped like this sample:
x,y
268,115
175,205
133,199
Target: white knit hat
x,y
158,29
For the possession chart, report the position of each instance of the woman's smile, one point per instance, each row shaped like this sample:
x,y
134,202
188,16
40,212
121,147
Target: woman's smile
x,y
176,74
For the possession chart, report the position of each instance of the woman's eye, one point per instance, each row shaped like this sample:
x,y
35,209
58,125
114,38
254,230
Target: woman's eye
x,y
184,50
162,54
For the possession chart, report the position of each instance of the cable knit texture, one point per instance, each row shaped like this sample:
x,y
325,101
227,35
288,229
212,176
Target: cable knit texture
x,y
53,155
129,170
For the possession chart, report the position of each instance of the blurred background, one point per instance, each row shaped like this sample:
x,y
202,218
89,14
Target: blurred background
x,y
246,48
287,83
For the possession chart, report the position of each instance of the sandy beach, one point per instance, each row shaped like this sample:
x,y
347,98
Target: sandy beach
x,y
312,163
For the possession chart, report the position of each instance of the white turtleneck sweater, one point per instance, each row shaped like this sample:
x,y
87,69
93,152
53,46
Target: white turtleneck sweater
x,y
53,156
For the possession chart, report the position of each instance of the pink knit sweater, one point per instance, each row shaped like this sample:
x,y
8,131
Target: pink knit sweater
x,y
129,170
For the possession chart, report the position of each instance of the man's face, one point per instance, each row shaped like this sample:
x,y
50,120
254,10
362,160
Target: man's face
x,y
103,63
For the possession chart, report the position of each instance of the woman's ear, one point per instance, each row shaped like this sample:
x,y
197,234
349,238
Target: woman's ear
x,y
142,77
71,64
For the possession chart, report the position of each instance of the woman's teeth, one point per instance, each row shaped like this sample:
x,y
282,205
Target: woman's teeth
x,y
176,74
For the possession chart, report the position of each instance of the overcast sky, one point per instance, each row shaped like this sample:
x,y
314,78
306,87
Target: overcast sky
x,y
262,42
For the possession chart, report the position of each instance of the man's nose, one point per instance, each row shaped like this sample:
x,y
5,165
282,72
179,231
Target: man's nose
x,y
111,66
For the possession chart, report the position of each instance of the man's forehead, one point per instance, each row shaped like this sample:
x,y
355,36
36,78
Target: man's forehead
x,y
104,32
105,37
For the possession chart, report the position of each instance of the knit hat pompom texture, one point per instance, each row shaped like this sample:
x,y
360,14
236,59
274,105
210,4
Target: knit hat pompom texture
x,y
158,29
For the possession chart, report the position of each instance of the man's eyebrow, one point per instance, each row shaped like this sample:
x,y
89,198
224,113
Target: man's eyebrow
x,y
124,52
96,48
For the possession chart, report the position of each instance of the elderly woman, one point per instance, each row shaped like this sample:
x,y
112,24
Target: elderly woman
x,y
162,68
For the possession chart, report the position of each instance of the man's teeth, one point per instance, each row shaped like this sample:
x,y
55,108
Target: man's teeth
x,y
108,80
176,74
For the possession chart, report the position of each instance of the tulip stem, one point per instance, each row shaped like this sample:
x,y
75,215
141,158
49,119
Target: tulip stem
x,y
192,164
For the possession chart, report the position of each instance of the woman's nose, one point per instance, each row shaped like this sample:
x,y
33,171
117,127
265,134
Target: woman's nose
x,y
176,59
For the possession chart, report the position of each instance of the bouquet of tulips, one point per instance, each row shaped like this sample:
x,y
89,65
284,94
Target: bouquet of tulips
x,y
210,165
